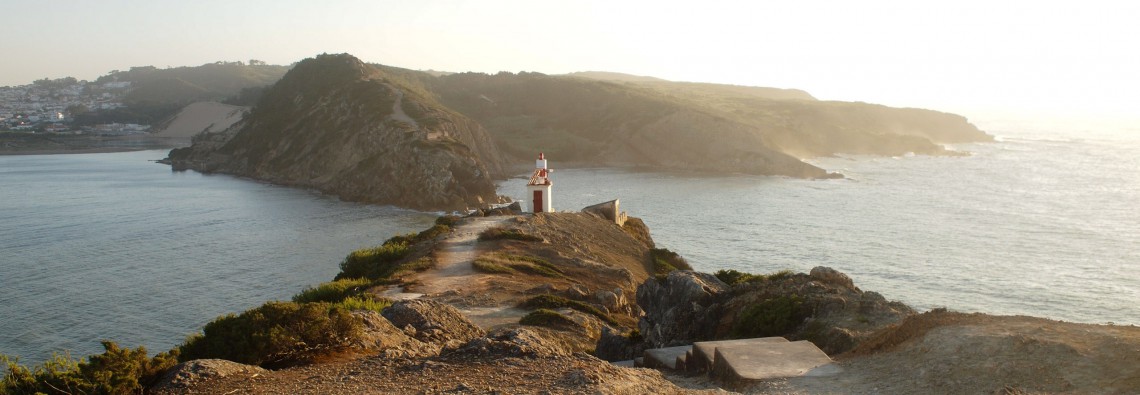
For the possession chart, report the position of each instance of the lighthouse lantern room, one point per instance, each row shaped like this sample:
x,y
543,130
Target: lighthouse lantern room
x,y
538,189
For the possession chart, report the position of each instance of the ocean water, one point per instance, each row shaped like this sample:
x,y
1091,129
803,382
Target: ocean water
x,y
1042,222
112,246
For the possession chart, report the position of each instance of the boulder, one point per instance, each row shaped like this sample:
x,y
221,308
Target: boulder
x,y
380,335
683,307
433,322
198,371
831,276
529,342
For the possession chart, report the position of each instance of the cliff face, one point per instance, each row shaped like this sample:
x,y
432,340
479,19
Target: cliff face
x,y
346,128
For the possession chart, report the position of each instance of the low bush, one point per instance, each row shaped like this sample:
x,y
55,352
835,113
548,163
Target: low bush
x,y
433,232
273,332
547,318
664,261
375,263
333,292
448,220
772,317
364,302
497,263
484,265
501,233
115,371
548,301
733,277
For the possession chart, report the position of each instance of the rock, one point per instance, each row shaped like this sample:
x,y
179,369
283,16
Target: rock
x,y
831,276
683,307
380,335
515,207
545,288
524,341
198,371
613,346
577,292
434,322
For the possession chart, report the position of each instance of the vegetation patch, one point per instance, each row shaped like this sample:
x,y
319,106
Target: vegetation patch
x,y
498,263
448,220
547,318
501,233
333,292
364,302
433,232
374,263
772,317
664,261
275,332
484,265
115,371
548,301
733,277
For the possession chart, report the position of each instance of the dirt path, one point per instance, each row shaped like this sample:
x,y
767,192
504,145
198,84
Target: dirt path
x,y
453,271
398,110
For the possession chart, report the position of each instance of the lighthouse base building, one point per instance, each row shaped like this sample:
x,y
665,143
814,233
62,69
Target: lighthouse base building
x,y
538,188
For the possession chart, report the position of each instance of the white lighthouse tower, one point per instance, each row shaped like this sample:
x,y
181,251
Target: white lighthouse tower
x,y
538,189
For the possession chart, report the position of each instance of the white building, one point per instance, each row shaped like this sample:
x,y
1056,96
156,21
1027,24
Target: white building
x,y
538,189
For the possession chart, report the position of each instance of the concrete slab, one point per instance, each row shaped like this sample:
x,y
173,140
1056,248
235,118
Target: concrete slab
x,y
767,361
664,357
624,364
702,358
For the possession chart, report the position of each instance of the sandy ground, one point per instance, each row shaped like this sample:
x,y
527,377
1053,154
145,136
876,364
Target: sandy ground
x,y
202,116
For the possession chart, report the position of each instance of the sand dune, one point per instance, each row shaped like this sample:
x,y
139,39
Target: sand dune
x,y
202,116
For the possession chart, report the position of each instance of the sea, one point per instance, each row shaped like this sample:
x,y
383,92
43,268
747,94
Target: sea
x,y
1045,221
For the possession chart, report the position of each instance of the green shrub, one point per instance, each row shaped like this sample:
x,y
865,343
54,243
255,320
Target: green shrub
x,y
448,220
772,317
548,301
497,263
433,232
484,265
733,277
547,318
364,302
664,261
500,233
333,292
115,371
273,332
375,263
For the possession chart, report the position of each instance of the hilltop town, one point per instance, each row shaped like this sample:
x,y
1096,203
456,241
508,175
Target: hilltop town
x,y
52,106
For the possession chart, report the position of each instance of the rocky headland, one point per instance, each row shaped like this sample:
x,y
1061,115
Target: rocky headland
x,y
349,129
382,134
518,303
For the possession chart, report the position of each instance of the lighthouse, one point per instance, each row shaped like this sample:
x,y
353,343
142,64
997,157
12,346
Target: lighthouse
x,y
538,189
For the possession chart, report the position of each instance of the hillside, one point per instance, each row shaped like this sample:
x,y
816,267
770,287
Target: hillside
x,y
183,85
345,128
603,120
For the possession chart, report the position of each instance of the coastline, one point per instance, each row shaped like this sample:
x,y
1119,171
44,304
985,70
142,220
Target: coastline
x,y
32,144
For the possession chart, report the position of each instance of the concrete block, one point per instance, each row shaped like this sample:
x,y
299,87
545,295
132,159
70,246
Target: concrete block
x,y
702,358
664,357
766,361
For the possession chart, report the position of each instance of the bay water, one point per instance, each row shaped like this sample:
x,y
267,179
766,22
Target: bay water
x,y
1042,222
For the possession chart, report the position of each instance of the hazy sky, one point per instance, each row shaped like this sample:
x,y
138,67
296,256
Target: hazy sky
x,y
1028,56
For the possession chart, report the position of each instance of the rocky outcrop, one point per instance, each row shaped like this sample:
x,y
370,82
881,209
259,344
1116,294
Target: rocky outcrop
x,y
346,128
824,307
433,322
191,373
683,307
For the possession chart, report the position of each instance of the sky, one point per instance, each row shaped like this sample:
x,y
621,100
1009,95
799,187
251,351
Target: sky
x,y
1079,59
